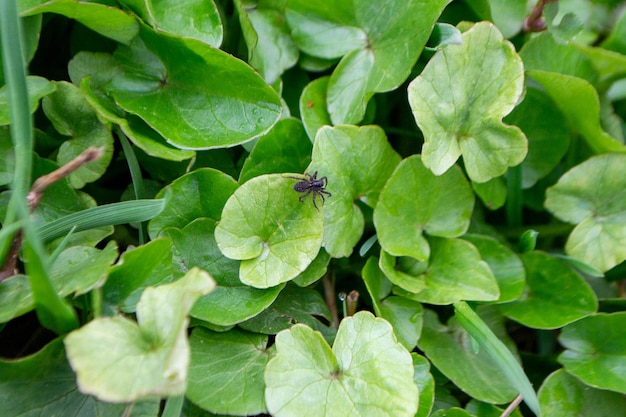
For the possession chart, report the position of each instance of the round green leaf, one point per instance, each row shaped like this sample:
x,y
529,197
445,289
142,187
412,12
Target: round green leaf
x,y
38,87
380,44
357,161
425,384
172,84
504,263
201,193
118,360
556,294
306,373
226,371
275,235
451,350
406,318
562,395
313,106
455,272
596,351
232,301
459,101
415,201
593,194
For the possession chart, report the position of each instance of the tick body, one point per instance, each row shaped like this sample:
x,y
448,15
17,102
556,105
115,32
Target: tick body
x,y
311,185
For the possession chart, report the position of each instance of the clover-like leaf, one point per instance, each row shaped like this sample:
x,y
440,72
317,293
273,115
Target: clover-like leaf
x,y
38,87
596,351
118,360
171,84
347,379
313,106
275,235
415,201
357,162
459,101
593,195
226,371
380,44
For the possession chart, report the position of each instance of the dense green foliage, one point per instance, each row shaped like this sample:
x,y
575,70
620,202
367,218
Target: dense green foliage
x,y
461,248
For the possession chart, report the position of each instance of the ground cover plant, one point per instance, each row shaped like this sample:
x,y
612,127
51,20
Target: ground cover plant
x,y
312,208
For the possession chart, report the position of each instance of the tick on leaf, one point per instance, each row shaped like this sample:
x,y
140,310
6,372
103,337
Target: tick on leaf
x,y
310,184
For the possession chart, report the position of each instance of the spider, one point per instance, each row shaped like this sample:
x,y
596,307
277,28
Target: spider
x,y
311,185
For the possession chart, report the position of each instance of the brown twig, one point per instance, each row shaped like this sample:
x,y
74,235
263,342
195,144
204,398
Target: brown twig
x,y
352,300
514,404
329,295
9,267
535,22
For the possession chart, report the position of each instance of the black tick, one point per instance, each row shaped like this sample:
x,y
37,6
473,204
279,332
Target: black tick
x,y
310,184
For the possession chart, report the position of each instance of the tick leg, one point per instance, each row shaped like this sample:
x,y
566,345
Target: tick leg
x,y
314,204
325,180
304,195
326,192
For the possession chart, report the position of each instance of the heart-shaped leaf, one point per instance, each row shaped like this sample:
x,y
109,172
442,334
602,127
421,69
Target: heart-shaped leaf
x,y
593,195
459,101
415,201
275,235
347,379
118,360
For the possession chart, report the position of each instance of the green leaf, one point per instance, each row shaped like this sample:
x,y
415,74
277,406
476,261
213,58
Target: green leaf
x,y
593,195
138,268
38,88
270,47
157,71
556,294
378,286
293,305
547,132
415,201
425,384
562,395
357,161
455,272
504,263
460,99
450,348
118,360
499,353
380,45
15,297
197,19
264,225
596,351
306,373
50,389
72,115
313,106
285,148
406,318
492,193
451,412
226,371
106,20
200,193
232,301
508,15
578,101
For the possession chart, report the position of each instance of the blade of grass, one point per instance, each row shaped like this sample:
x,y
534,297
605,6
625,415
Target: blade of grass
x,y
105,215
53,311
501,355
